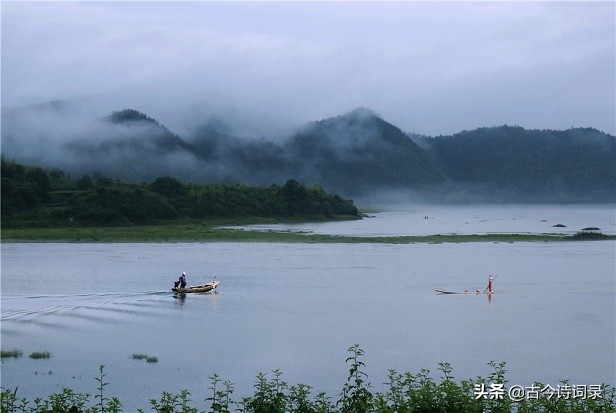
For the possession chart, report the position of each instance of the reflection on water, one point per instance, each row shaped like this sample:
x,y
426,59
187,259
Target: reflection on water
x,y
298,307
181,298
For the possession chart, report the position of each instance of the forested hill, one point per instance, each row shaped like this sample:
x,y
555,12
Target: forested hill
x,y
360,152
358,155
513,163
32,196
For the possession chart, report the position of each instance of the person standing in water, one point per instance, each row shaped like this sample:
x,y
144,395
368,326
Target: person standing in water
x,y
489,287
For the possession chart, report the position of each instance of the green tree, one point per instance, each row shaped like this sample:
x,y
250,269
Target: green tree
x,y
10,169
39,181
24,197
85,182
169,187
295,198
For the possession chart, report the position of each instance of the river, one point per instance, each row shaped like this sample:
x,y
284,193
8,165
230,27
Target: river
x,y
297,307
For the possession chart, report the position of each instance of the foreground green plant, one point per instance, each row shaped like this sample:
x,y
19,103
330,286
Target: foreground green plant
x,y
356,396
220,401
104,403
405,393
170,403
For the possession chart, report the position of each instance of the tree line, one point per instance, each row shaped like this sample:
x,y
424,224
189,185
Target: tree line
x,y
515,164
35,196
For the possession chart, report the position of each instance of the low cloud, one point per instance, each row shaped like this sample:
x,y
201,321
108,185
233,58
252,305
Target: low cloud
x,y
431,68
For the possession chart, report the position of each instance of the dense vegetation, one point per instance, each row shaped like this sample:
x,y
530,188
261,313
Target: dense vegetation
x,y
406,393
513,163
32,196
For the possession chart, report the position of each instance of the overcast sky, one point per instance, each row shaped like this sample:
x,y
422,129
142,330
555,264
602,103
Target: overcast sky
x,y
428,67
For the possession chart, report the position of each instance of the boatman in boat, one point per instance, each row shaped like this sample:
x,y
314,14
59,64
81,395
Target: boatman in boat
x,y
181,282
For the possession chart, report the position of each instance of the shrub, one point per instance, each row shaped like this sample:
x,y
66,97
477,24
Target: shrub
x,y
406,393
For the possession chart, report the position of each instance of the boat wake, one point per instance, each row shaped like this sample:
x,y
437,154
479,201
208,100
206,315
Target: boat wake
x,y
67,310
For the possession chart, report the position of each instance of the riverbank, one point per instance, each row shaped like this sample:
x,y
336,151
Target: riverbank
x,y
220,231
406,392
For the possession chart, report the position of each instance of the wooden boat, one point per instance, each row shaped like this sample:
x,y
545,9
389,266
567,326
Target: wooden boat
x,y
205,288
461,292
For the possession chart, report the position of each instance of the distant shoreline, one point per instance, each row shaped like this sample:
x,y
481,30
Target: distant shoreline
x,y
212,231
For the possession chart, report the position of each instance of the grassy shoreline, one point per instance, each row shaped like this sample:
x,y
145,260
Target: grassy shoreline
x,y
211,231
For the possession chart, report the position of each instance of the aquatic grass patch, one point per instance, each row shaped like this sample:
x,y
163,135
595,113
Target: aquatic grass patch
x,y
147,358
15,353
403,393
40,355
219,230
590,236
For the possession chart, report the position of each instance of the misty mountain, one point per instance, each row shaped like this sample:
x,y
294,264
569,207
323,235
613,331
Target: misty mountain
x,y
145,133
516,164
126,145
132,146
357,154
234,159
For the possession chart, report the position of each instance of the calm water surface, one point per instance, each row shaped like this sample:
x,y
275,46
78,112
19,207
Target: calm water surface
x,y
298,307
467,219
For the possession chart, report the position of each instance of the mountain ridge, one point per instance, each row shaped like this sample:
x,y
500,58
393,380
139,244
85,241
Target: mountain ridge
x,y
357,153
579,162
347,150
